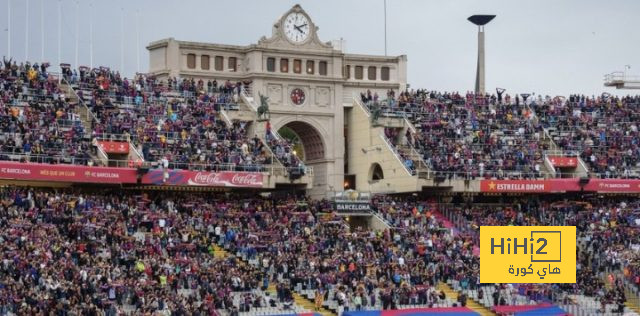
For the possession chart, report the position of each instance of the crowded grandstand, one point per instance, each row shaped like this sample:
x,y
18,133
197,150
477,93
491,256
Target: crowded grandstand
x,y
171,193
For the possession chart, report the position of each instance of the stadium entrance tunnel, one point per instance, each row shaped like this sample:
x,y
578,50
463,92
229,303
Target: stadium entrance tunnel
x,y
307,140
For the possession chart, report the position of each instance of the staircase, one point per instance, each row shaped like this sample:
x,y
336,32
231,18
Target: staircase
x,y
255,128
473,305
308,304
422,169
633,300
86,116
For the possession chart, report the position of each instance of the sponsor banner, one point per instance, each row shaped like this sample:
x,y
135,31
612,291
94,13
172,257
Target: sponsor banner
x,y
560,185
65,173
350,207
111,147
563,162
527,254
204,178
613,185
516,186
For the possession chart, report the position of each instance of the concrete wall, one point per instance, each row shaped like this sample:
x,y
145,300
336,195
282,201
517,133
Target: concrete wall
x,y
366,148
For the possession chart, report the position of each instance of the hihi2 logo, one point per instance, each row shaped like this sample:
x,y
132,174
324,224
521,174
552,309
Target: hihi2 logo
x,y
527,254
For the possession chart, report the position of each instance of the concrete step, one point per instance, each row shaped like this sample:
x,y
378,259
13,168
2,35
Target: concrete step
x,y
633,301
473,305
310,305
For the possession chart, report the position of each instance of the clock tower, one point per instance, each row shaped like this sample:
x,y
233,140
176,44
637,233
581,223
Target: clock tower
x,y
310,84
295,28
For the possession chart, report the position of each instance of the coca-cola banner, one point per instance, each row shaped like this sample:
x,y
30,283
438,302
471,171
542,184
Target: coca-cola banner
x,y
204,178
65,173
563,162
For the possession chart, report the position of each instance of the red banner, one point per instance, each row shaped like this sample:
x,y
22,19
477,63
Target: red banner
x,y
563,162
204,178
110,147
560,185
65,173
519,186
613,186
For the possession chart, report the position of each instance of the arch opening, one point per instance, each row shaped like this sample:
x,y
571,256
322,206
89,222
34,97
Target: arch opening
x,y
375,172
306,140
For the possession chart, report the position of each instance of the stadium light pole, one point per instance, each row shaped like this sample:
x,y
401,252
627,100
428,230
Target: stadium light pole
x,y
42,31
9,28
137,41
77,32
480,21
385,27
26,32
121,41
60,39
91,34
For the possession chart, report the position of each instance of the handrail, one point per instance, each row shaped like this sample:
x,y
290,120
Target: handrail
x,y
89,112
620,76
584,166
102,155
225,116
562,153
245,98
420,157
409,124
550,167
362,106
128,163
396,154
135,150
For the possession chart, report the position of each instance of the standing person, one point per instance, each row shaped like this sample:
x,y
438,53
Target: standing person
x,y
165,169
357,301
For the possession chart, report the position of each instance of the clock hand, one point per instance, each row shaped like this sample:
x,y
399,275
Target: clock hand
x,y
298,28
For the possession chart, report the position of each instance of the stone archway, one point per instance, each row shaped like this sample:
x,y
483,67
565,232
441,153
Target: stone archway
x,y
312,142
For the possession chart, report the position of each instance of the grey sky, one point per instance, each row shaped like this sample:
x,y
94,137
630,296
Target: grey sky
x,y
543,46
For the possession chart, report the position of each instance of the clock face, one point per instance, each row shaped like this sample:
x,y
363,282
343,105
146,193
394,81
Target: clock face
x,y
297,96
296,27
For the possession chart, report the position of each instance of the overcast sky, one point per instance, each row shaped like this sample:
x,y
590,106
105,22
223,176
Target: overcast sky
x,y
542,46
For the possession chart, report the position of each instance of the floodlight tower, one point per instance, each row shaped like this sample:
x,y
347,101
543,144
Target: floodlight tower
x,y
480,21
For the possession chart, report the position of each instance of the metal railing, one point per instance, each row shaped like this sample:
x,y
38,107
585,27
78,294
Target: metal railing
x,y
619,76
127,163
48,159
397,155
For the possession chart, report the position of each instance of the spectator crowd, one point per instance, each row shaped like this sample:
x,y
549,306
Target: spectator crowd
x,y
89,252
491,136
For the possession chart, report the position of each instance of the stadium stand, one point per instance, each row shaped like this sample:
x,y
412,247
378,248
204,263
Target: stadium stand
x,y
104,250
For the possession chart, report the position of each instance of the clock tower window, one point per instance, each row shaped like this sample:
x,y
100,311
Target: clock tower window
x,y
323,68
271,64
310,67
284,65
297,66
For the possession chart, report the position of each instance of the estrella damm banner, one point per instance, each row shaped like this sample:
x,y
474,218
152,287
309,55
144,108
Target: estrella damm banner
x,y
527,254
